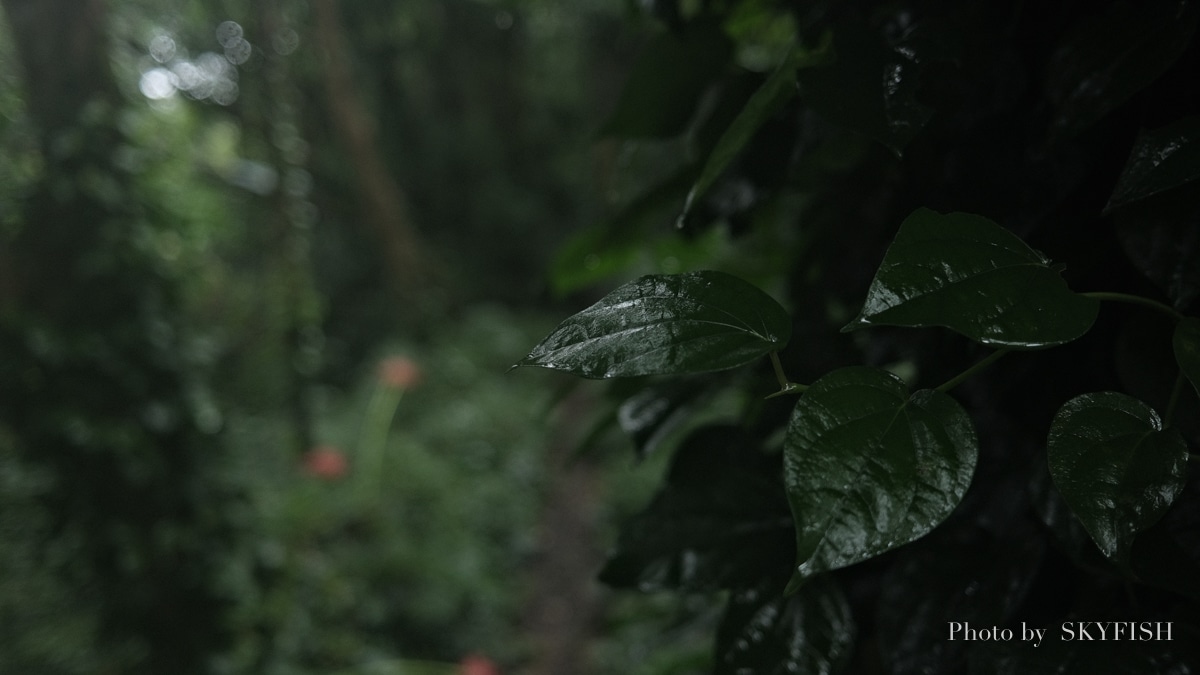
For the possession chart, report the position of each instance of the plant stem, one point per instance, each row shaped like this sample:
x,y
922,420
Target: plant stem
x,y
958,379
1135,300
372,444
785,387
1176,391
779,374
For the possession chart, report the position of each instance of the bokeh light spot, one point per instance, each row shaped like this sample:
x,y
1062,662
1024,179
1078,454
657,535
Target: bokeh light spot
x,y
285,41
162,48
238,51
158,84
228,33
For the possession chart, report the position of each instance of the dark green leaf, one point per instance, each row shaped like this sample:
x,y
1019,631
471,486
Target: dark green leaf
x,y
1162,159
1115,467
776,91
720,521
869,468
1187,349
962,575
667,324
1114,54
765,634
968,274
869,87
668,80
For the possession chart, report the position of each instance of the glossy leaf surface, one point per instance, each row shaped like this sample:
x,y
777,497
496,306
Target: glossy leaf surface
x,y
765,634
721,521
667,324
869,468
765,102
1187,349
966,273
1112,55
668,80
1162,159
1115,466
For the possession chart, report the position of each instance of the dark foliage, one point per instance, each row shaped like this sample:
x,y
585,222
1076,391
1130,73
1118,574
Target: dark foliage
x,y
1073,127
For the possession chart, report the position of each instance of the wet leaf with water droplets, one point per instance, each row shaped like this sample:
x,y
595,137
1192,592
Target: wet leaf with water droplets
x,y
667,324
1115,466
868,467
968,274
763,633
1161,159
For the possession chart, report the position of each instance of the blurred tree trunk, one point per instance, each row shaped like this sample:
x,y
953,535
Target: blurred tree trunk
x,y
95,392
387,211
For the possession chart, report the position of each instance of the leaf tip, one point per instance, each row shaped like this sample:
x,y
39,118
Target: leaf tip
x,y
857,323
798,580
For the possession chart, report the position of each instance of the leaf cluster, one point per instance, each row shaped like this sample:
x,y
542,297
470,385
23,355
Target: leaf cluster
x,y
985,183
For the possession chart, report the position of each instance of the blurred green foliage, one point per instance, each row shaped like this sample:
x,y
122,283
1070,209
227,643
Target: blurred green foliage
x,y
224,312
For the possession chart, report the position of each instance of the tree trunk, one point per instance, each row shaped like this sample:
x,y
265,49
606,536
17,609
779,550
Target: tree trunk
x,y
386,208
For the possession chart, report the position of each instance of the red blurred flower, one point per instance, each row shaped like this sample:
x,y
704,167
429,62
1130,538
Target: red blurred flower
x,y
475,664
399,372
325,462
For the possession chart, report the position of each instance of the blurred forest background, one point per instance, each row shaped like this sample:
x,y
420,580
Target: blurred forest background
x,y
262,268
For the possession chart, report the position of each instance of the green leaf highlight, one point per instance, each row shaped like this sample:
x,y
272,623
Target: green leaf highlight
x,y
1161,159
667,324
869,468
1115,466
968,274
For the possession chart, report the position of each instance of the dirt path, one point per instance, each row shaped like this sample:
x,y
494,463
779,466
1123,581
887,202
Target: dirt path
x,y
564,605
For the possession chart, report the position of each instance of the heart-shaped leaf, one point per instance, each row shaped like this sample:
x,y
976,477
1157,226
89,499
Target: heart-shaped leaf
x,y
972,276
667,324
1115,466
1161,159
869,468
765,634
1187,349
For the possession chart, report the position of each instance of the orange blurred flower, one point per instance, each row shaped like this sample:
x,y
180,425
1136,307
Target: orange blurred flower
x,y
399,372
325,462
475,664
